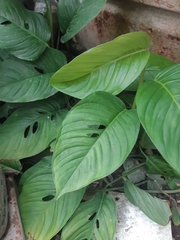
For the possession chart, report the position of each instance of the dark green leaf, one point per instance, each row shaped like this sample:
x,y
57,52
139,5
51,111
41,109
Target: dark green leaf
x,y
109,67
23,33
29,131
73,15
155,208
94,219
23,81
96,137
42,215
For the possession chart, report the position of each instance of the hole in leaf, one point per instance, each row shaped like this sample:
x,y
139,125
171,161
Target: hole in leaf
x,y
35,127
93,135
41,112
26,25
52,117
97,223
47,198
39,70
116,198
101,127
92,216
26,132
6,23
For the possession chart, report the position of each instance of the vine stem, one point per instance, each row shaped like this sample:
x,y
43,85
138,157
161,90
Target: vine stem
x,y
50,21
140,83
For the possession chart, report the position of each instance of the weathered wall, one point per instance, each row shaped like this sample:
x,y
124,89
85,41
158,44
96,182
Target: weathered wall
x,y
123,16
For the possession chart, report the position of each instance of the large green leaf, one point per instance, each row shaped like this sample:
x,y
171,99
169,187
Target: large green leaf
x,y
23,33
11,166
73,15
42,215
159,112
94,219
155,208
95,139
109,67
155,64
30,129
23,81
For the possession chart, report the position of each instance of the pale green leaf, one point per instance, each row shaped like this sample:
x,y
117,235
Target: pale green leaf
x,y
155,208
23,81
94,219
96,137
42,215
109,67
23,33
73,15
159,112
30,129
175,214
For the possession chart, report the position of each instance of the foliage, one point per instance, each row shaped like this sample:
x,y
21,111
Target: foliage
x,y
114,102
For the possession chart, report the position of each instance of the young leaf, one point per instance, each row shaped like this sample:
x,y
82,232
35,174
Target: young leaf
x,y
23,81
96,137
94,219
175,214
155,208
159,112
30,129
42,215
157,165
73,15
109,67
23,33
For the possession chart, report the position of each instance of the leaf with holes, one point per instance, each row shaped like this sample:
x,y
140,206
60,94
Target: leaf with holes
x,y
95,138
30,129
94,219
109,67
159,112
23,33
23,81
155,208
73,15
37,201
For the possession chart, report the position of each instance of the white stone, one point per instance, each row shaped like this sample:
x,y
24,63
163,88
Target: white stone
x,y
133,224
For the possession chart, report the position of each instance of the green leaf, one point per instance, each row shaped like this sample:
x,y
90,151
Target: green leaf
x,y
96,137
23,33
109,67
10,166
42,215
159,112
23,81
3,55
94,219
155,64
155,208
30,129
175,214
73,15
157,165
146,142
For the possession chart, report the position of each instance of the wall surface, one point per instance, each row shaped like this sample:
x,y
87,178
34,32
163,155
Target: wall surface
x,y
159,18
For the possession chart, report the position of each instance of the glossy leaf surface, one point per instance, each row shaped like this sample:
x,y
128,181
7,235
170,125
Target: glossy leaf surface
x,y
23,33
73,15
30,129
159,112
95,139
94,219
23,81
155,208
109,67
42,215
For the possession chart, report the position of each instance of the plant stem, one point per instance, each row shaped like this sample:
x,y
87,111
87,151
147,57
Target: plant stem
x,y
125,173
50,21
164,191
140,83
